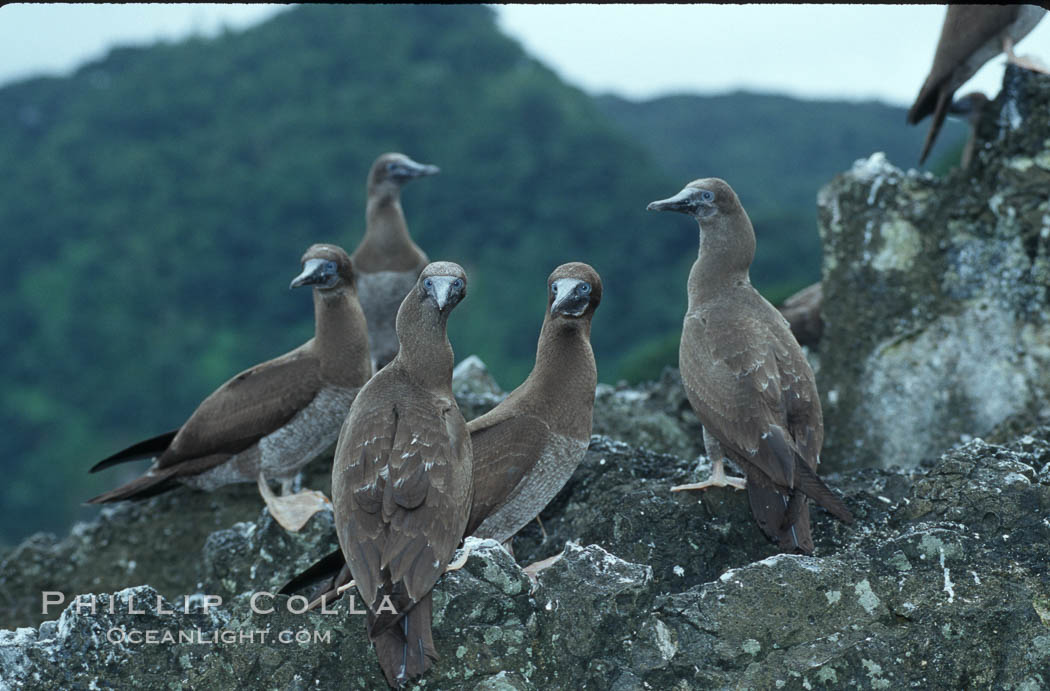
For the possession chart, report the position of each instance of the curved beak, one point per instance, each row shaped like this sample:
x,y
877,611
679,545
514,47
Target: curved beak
x,y
315,271
683,202
570,300
413,169
445,294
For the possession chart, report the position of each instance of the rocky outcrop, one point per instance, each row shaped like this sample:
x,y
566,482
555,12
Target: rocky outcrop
x,y
935,297
936,293
940,583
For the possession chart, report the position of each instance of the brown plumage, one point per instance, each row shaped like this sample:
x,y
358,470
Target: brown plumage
x,y
527,447
276,416
745,375
387,261
971,36
401,481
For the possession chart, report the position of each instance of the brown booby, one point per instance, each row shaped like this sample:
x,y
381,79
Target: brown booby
x,y
267,422
402,479
387,261
527,447
971,36
745,375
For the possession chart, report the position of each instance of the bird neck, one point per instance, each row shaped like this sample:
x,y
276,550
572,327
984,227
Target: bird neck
x,y
424,350
565,375
341,337
387,246
724,259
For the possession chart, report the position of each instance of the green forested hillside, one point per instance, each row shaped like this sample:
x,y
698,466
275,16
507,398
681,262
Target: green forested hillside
x,y
777,152
155,205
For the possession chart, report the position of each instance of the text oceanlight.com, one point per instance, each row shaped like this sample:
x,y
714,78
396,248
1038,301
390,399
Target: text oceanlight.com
x,y
227,636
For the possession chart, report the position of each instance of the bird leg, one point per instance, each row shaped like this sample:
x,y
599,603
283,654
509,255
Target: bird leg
x,y
1028,62
533,570
292,485
461,561
718,479
453,566
718,474
292,511
542,531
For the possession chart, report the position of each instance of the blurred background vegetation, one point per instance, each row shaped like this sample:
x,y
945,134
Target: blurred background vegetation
x,y
155,205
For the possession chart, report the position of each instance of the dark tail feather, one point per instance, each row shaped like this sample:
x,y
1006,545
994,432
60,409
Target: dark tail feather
x,y
321,580
144,487
944,100
795,534
813,487
406,651
773,513
144,449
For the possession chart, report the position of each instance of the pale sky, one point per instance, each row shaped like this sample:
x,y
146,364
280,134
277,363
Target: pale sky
x,y
809,51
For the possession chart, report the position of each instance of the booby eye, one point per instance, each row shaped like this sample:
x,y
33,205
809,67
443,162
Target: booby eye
x,y
554,288
585,288
707,195
427,283
457,284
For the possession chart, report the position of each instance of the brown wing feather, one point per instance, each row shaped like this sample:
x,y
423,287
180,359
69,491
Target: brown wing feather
x,y
505,450
733,384
246,408
400,492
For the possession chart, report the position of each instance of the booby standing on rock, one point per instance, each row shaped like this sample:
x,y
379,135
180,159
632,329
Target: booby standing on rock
x,y
971,36
527,447
745,375
270,420
387,261
402,479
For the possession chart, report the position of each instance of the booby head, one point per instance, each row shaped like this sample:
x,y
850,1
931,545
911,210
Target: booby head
x,y
701,199
573,290
325,267
394,170
443,284
727,239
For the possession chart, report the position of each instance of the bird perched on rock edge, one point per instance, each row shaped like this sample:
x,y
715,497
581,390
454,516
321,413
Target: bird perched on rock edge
x,y
402,477
746,376
971,36
271,420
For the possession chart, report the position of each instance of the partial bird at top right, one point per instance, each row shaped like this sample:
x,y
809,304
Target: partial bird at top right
x,y
971,36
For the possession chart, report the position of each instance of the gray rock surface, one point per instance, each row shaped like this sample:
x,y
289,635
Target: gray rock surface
x,y
941,583
936,293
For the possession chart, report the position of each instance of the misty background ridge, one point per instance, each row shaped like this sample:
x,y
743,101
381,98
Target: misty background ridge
x,y
156,204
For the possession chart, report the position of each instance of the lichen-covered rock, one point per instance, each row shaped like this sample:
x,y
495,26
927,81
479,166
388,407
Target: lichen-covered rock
x,y
655,416
941,583
937,293
475,390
